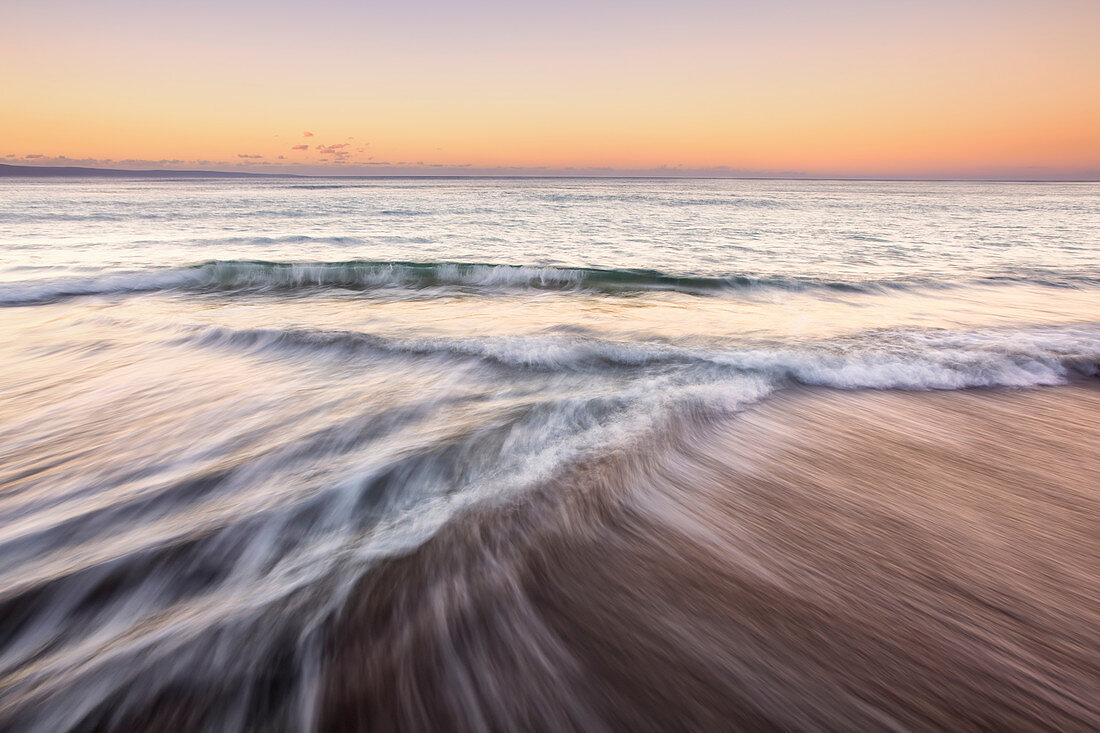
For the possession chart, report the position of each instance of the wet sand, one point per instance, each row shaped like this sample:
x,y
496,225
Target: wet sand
x,y
825,560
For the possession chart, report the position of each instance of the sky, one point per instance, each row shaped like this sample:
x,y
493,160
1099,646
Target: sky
x,y
815,88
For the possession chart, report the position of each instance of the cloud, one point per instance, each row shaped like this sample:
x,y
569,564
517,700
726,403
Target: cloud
x,y
245,155
35,155
336,150
307,134
300,147
282,157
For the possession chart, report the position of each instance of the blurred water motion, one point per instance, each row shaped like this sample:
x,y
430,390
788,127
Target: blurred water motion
x,y
549,455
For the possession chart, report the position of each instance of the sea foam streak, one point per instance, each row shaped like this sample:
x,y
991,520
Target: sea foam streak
x,y
257,569
902,360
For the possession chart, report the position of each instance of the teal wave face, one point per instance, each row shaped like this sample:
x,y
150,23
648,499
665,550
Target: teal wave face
x,y
258,276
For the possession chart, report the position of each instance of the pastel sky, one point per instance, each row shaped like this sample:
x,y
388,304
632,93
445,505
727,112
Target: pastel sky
x,y
883,88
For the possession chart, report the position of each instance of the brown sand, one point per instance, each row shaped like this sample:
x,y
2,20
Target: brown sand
x,y
827,560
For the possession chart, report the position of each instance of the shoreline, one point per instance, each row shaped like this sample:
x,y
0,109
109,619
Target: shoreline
x,y
827,559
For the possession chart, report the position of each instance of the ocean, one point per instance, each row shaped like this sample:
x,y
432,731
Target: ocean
x,y
496,454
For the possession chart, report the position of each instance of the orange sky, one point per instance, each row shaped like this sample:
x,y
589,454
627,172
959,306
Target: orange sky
x,y
891,88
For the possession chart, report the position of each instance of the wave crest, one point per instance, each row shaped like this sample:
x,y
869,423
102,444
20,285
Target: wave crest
x,y
259,276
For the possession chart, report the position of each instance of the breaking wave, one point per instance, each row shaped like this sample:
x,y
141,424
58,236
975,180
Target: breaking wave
x,y
257,276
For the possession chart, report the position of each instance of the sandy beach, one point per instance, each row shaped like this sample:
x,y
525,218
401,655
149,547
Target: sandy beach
x,y
825,560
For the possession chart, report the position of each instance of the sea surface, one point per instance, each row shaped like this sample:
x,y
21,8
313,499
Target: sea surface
x,y
238,415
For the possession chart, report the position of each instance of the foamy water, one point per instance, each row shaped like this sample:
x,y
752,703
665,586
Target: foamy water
x,y
225,404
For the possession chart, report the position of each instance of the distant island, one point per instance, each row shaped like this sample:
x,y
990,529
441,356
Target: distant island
x,y
52,171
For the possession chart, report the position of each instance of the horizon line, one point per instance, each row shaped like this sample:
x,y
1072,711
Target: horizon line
x,y
11,170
